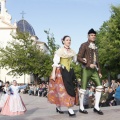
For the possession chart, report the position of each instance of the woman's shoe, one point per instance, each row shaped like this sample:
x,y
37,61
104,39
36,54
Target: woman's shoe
x,y
61,112
71,114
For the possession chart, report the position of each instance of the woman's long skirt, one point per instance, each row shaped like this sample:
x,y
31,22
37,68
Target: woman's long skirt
x,y
58,92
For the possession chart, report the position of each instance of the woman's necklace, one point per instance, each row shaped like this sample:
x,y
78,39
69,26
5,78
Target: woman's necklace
x,y
67,48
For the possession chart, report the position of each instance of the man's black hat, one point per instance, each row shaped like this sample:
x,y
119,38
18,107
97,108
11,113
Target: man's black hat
x,y
92,31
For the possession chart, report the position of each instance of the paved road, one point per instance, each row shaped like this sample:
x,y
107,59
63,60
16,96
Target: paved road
x,y
40,109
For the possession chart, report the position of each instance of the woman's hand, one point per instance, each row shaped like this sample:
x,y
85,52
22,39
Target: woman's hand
x,y
53,76
84,60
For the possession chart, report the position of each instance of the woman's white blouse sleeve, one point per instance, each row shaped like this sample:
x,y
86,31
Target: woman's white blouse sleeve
x,y
56,61
75,59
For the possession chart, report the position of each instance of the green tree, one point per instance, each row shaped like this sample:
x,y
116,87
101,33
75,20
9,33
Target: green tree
x,y
108,40
77,70
51,43
22,56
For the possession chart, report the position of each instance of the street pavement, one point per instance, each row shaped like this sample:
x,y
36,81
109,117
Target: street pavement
x,y
38,108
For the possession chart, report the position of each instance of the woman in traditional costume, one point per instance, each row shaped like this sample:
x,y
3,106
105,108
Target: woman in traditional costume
x,y
6,92
14,104
62,81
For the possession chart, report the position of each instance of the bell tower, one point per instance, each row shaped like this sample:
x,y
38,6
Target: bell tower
x,y
4,15
0,7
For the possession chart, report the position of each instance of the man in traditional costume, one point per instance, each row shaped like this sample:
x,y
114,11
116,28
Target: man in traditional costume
x,y
88,56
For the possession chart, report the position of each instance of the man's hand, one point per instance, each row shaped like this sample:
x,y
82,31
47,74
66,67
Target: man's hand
x,y
84,60
100,75
92,66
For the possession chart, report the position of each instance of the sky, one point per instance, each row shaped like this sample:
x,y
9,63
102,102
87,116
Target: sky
x,y
62,17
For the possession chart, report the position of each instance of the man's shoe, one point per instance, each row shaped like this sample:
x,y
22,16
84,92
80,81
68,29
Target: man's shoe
x,y
98,111
83,111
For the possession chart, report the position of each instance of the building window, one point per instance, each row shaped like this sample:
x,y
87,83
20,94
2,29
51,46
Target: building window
x,y
0,7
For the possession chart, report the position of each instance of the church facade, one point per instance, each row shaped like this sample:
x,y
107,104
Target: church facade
x,y
6,28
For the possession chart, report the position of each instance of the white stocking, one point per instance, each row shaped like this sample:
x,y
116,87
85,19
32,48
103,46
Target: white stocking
x,y
81,97
97,100
70,110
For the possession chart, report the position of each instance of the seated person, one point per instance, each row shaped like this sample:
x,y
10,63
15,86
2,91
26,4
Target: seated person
x,y
31,90
40,90
104,97
110,100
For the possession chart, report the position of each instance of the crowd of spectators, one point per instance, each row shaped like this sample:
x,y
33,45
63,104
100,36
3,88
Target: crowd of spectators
x,y
110,95
40,90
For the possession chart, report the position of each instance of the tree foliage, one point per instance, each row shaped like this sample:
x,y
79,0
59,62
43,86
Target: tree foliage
x,y
108,40
77,69
22,56
51,43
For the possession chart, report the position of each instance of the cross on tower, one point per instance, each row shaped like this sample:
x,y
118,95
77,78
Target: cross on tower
x,y
23,13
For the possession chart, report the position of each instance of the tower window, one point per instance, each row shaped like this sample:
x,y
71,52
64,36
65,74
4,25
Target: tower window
x,y
0,7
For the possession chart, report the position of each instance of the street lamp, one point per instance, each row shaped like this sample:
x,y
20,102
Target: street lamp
x,y
107,67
